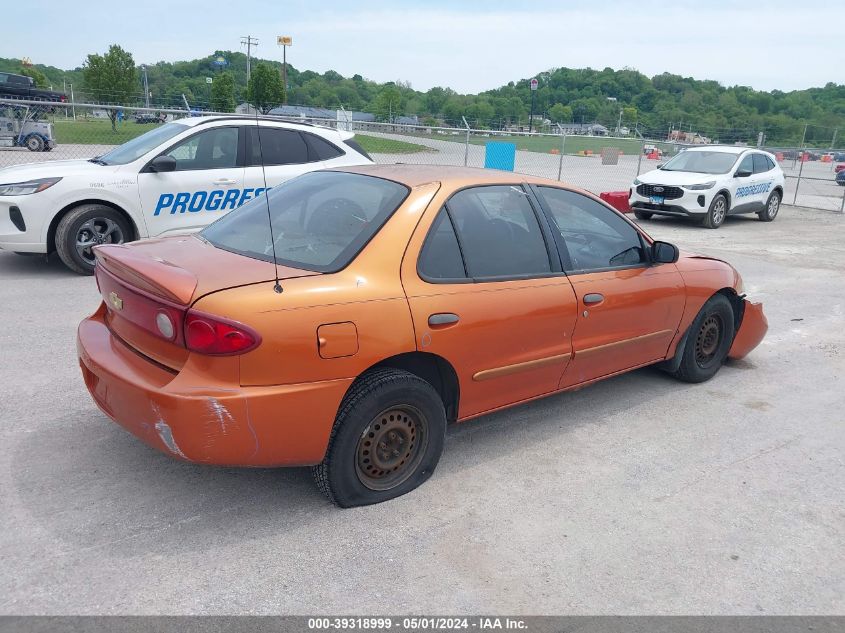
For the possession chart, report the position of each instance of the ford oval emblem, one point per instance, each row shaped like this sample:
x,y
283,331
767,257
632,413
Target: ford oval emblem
x,y
658,189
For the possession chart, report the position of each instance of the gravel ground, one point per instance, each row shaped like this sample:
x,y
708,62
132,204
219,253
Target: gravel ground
x,y
639,495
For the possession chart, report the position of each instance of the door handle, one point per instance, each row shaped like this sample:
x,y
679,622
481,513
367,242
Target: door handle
x,y
224,181
442,318
593,297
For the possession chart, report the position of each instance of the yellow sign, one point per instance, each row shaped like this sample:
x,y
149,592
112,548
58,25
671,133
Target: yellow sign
x,y
284,40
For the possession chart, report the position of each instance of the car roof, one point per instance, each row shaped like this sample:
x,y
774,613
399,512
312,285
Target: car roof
x,y
455,177
727,149
193,121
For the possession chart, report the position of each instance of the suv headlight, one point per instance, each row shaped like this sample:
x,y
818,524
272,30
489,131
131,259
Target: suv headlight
x,y
700,187
28,187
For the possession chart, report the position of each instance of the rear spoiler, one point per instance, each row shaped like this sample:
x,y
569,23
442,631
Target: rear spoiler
x,y
150,274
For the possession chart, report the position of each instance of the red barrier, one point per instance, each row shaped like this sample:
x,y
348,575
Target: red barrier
x,y
617,199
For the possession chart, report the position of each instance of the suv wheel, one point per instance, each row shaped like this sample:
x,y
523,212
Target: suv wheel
x,y
83,228
717,212
772,207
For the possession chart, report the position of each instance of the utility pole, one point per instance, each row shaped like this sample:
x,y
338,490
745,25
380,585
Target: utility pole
x,y
284,41
249,42
146,87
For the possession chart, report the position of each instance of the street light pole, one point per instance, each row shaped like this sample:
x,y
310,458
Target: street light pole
x,y
284,41
533,85
146,87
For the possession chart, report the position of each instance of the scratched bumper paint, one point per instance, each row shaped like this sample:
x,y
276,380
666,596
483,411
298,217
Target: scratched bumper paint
x,y
752,330
201,418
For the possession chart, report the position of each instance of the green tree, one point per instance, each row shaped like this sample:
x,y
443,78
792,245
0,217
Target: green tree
x,y
388,103
265,90
111,78
223,93
38,77
560,113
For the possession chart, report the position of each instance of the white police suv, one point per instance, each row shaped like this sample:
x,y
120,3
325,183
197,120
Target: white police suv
x,y
709,183
174,179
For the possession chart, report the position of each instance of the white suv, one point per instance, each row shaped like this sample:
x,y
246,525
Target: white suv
x,y
709,183
176,178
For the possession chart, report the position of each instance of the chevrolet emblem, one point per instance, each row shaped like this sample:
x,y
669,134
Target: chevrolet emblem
x,y
115,301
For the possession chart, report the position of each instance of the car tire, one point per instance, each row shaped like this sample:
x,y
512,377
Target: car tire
x,y
387,439
643,215
772,207
90,224
708,341
716,214
34,143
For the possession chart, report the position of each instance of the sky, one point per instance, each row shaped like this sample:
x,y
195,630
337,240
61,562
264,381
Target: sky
x,y
466,46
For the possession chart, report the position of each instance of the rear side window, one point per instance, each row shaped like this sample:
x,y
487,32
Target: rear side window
x,y
761,164
320,148
771,162
276,146
354,145
498,232
320,221
440,258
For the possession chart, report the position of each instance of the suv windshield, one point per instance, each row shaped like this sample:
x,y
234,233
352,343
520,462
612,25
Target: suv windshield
x,y
137,147
701,162
321,220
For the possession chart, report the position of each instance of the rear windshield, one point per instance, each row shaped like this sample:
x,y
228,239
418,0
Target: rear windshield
x,y
320,220
702,162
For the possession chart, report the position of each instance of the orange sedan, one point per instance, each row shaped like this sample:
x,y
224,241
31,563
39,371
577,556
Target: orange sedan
x,y
344,319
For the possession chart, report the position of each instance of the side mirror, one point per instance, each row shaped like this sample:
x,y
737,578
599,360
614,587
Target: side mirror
x,y
742,173
163,163
664,253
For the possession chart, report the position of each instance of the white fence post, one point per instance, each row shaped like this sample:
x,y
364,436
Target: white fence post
x,y
466,148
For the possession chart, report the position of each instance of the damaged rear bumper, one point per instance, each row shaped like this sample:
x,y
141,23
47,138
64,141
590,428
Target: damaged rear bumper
x,y
195,416
751,331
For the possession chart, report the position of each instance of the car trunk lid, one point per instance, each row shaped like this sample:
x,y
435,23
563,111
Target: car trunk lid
x,y
148,285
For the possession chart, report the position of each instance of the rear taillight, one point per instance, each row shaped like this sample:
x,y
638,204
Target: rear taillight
x,y
206,334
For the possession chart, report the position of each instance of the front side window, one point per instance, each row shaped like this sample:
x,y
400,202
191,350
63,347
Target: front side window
x,y
701,162
747,164
498,232
594,237
216,148
320,221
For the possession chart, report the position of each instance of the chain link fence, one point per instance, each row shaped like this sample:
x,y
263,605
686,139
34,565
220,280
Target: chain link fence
x,y
595,163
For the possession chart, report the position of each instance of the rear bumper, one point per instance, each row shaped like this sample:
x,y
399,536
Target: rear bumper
x,y
751,331
192,415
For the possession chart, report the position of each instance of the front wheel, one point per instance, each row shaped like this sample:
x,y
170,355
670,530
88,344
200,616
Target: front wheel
x,y
85,227
643,215
386,441
717,212
708,341
772,207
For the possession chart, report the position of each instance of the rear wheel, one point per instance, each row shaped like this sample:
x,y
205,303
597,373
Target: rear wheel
x,y
772,207
717,212
386,441
708,341
83,228
34,143
643,215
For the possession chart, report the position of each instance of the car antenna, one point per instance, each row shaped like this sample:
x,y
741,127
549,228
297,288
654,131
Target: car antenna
x,y
277,286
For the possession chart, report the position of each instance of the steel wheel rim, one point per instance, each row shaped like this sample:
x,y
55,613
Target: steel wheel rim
x,y
94,232
391,447
774,206
708,340
719,211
